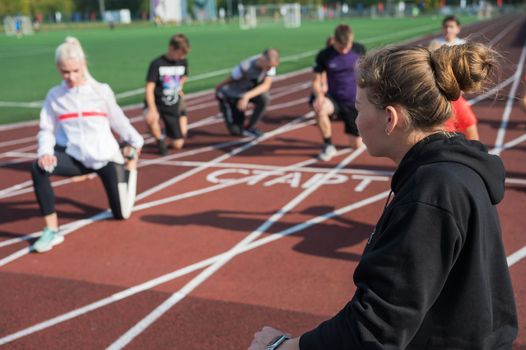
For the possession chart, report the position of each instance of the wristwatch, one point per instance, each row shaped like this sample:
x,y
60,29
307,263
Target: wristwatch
x,y
274,344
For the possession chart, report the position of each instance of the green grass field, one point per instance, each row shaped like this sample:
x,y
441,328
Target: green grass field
x,y
120,57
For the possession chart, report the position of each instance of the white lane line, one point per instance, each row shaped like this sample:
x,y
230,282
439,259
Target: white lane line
x,y
505,31
71,227
223,157
131,334
516,257
68,228
23,149
224,165
18,141
514,142
509,104
185,271
491,92
21,155
15,187
514,181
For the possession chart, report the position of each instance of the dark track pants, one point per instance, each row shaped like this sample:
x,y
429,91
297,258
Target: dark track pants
x,y
110,175
234,116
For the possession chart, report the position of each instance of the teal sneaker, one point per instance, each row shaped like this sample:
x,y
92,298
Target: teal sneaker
x,y
47,240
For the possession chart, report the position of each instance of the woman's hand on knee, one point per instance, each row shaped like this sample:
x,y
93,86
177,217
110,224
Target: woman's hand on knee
x,y
47,162
132,157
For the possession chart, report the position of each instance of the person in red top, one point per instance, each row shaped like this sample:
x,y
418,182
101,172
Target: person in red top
x,y
462,120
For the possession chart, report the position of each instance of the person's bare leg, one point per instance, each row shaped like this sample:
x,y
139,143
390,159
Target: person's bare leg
x,y
51,221
152,120
323,119
324,125
183,125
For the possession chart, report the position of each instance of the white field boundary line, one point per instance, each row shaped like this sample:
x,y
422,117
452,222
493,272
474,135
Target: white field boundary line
x,y
129,292
509,104
73,226
152,317
140,91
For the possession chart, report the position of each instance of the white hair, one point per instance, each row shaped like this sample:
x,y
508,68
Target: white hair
x,y
70,49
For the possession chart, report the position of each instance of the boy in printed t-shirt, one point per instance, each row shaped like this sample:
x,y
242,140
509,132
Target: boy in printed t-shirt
x,y
164,94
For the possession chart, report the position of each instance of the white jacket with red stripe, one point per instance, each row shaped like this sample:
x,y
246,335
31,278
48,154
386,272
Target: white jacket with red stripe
x,y
81,119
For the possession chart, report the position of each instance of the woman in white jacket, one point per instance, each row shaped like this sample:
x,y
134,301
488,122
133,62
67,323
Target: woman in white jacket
x,y
75,138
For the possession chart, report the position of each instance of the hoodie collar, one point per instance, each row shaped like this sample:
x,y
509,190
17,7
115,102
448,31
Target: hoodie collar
x,y
440,147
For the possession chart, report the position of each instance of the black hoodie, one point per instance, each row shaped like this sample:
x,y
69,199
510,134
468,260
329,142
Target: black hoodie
x,y
433,274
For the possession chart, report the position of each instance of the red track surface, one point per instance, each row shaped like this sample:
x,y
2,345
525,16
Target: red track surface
x,y
292,283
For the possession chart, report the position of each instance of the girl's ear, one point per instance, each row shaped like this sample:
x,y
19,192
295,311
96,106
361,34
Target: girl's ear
x,y
392,119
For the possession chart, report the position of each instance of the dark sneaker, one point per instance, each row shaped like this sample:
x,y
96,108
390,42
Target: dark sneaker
x,y
253,132
161,146
235,130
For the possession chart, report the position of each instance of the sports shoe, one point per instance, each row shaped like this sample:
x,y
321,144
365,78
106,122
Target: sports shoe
x,y
235,130
161,146
47,240
252,132
327,152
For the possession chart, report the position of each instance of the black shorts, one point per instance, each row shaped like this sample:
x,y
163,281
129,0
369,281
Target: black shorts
x,y
345,112
171,116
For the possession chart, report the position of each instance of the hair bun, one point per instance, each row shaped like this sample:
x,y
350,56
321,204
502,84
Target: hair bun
x,y
462,68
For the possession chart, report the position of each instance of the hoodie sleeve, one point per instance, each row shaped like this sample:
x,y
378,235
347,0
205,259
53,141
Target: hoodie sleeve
x,y
400,275
48,125
119,122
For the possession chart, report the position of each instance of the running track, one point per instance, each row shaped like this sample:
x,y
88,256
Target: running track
x,y
228,234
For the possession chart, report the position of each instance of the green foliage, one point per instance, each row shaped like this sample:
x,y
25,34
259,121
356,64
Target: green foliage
x,y
32,7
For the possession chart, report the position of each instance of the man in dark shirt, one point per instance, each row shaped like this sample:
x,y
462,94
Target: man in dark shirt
x,y
164,94
336,65
249,81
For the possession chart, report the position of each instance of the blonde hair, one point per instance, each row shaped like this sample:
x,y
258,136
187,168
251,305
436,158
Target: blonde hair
x,y
70,49
424,82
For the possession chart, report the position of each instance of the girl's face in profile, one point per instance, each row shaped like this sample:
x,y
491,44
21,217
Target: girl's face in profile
x,y
72,71
371,123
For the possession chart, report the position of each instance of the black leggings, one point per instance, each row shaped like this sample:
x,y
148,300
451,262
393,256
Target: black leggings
x,y
234,116
111,174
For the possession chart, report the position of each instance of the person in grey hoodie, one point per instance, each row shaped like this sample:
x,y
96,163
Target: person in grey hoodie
x,y
433,274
